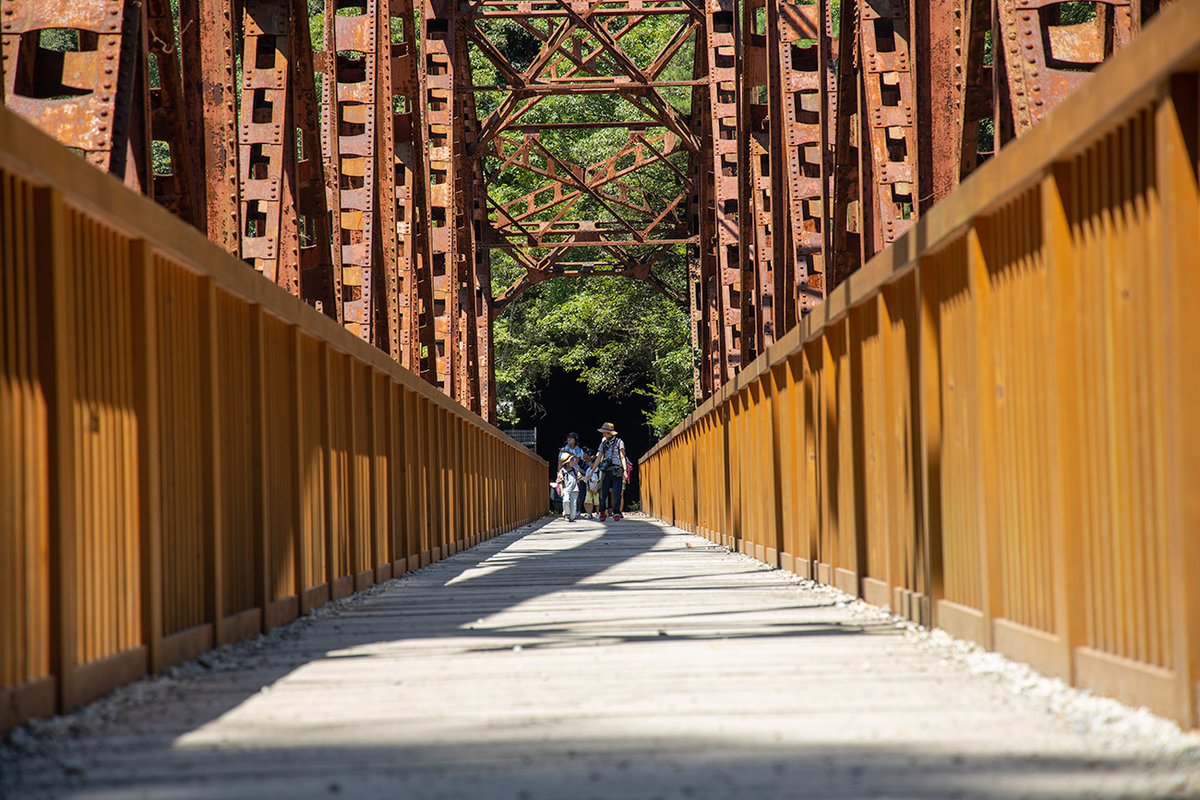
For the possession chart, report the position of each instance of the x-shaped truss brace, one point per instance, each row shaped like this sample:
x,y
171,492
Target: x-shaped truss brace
x,y
530,86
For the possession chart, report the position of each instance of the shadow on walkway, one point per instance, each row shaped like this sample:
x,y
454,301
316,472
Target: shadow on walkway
x,y
159,743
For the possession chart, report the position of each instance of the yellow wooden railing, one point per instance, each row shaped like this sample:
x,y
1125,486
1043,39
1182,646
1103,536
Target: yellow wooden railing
x,y
188,455
993,427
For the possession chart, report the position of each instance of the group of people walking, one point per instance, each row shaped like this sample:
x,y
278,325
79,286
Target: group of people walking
x,y
591,482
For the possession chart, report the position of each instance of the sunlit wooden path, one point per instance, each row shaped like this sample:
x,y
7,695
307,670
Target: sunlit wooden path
x,y
578,661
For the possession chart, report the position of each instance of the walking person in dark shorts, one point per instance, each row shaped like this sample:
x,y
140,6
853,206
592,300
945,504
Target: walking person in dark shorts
x,y
611,459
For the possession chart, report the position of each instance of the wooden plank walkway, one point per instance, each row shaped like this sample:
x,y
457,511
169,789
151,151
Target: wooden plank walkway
x,y
627,660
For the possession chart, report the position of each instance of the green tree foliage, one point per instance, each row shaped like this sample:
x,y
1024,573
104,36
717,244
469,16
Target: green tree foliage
x,y
620,336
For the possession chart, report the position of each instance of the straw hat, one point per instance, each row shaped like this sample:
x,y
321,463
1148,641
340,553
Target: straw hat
x,y
564,457
607,428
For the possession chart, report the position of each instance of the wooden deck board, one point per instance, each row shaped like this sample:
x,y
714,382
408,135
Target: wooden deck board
x,y
578,661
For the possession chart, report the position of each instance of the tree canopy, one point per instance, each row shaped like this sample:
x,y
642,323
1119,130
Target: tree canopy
x,y
619,336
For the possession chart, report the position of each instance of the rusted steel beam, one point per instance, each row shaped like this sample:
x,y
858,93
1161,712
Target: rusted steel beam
x,y
209,41
386,322
976,95
889,121
409,143
827,56
526,10
723,49
800,149
176,189
954,91
350,89
318,282
682,240
263,142
619,267
88,88
472,269
758,265
1040,60
438,116
800,155
844,248
399,181
704,290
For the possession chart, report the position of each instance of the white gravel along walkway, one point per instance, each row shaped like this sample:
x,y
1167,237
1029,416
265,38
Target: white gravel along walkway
x,y
590,660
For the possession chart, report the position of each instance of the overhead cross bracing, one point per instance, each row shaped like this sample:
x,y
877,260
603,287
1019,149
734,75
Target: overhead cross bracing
x,y
394,163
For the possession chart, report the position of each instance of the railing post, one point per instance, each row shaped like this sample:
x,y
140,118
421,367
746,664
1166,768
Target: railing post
x,y
1066,491
453,479
260,461
387,456
421,422
929,432
300,561
857,385
789,428
326,444
810,522
57,356
983,419
412,479
211,492
353,506
1177,134
145,381
457,463
397,524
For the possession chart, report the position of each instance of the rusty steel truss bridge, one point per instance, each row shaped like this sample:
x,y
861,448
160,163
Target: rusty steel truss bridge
x,y
380,158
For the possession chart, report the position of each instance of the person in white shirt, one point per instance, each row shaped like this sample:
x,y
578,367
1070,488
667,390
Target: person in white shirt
x,y
568,484
572,446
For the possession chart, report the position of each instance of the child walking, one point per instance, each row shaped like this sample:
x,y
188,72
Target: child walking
x,y
568,483
591,500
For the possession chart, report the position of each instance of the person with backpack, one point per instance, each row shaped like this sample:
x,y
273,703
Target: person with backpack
x,y
613,464
568,483
581,461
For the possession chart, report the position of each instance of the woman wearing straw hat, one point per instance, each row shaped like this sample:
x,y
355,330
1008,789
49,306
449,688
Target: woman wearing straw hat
x,y
610,457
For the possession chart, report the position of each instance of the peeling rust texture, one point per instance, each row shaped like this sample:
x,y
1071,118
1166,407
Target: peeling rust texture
x,y
263,139
800,32
437,112
350,92
90,91
889,91
781,156
1044,60
724,53
176,187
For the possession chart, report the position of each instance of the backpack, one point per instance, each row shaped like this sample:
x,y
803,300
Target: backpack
x,y
611,463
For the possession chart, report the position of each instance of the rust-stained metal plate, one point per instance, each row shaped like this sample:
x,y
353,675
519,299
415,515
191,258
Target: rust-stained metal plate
x,y
768,169
88,87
